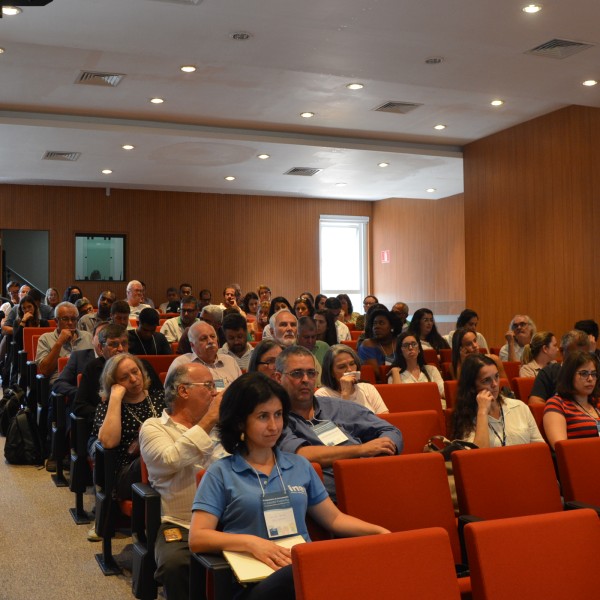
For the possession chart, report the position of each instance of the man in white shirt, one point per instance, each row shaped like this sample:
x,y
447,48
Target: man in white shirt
x,y
519,334
175,446
135,295
203,340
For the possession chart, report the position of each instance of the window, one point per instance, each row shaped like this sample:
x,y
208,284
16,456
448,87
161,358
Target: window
x,y
99,257
343,257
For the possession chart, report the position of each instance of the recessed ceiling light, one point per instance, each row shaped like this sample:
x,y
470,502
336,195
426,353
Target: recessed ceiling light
x,y
230,178
187,68
383,164
106,171
497,102
241,36
307,115
355,86
156,100
532,8
264,156
439,127
1,50
434,60
341,184
11,11
590,82
430,190
127,147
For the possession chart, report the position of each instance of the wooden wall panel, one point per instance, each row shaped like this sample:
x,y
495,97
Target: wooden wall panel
x,y
210,240
532,221
426,242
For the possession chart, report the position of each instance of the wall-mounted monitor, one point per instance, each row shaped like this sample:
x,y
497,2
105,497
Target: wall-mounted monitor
x,y
99,257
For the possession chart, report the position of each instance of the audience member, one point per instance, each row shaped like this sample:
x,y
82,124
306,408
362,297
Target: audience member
x,y
72,294
264,356
423,326
252,415
341,379
250,306
362,319
334,306
409,364
464,343
174,447
307,337
264,293
284,326
303,308
173,328
324,430
326,331
380,335
520,332
542,350
230,299
235,328
135,296
347,309
60,342
105,301
400,309
262,320
172,303
145,339
590,327
573,412
483,416
203,341
213,315
320,301
84,307
204,299
119,313
544,386
468,319
52,298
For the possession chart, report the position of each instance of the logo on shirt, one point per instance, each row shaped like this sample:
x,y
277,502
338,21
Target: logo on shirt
x,y
297,489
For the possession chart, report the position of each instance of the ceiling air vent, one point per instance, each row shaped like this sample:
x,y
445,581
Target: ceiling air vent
x,y
400,108
56,155
558,48
304,171
191,2
97,78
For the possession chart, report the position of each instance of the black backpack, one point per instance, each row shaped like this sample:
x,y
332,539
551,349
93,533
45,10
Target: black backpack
x,y
23,445
9,406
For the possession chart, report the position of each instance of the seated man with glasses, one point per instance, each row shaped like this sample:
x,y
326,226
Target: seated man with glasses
x,y
61,342
519,334
173,328
175,446
324,430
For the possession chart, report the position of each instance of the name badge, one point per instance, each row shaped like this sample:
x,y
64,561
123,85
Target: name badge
x,y
279,515
330,434
219,384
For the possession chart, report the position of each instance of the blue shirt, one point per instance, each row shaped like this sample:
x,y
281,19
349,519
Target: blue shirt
x,y
231,492
358,423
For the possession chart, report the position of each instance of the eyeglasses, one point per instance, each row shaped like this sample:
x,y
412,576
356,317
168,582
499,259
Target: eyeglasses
x,y
587,374
189,310
270,363
209,385
68,319
118,344
409,345
520,324
301,373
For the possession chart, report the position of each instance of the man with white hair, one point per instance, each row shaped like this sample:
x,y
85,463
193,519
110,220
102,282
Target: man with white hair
x,y
284,327
203,340
519,334
135,295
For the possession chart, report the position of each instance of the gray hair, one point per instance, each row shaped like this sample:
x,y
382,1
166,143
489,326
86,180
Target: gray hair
x,y
274,316
281,360
327,377
574,340
214,311
109,374
529,321
175,378
132,283
65,304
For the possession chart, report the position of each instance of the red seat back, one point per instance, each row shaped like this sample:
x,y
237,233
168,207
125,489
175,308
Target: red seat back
x,y
579,466
417,428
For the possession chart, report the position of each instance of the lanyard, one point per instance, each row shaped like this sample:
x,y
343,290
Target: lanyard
x,y
503,438
260,482
586,412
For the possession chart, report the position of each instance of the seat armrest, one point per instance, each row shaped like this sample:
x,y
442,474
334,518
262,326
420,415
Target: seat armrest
x,y
575,505
145,513
463,521
210,573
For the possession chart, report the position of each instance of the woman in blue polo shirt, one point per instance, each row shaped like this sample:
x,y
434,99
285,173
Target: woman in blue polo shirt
x,y
239,492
